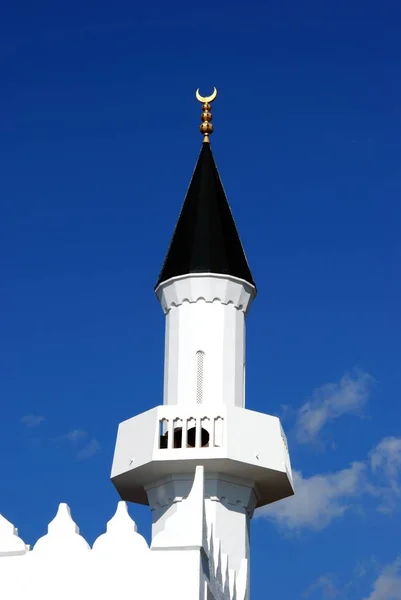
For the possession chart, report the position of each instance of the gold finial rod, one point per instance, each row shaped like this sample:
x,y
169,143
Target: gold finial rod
x,y
206,127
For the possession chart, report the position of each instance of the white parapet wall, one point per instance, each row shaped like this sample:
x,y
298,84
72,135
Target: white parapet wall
x,y
62,565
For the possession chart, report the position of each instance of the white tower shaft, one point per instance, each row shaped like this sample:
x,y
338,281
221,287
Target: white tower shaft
x,y
205,339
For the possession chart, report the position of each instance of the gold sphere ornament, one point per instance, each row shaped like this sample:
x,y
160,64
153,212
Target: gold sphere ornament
x,y
206,128
206,116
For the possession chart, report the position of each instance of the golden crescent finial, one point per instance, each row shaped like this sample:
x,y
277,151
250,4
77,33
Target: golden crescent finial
x,y
206,127
206,99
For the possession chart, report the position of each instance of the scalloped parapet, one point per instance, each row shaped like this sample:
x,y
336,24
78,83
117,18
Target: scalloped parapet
x,y
10,543
121,536
62,565
63,535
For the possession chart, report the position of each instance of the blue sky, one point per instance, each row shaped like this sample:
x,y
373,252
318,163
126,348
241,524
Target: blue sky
x,y
98,139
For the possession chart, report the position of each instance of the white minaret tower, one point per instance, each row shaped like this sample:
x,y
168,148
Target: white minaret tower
x,y
240,456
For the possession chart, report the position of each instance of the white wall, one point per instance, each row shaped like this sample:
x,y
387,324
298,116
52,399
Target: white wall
x,y
61,565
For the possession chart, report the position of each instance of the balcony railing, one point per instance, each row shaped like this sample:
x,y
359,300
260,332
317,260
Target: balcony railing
x,y
191,432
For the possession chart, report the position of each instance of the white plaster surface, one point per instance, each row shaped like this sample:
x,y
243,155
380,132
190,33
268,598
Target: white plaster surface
x,y
205,313
246,444
185,562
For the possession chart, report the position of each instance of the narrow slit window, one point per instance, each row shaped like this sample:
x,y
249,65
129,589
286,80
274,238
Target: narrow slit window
x,y
200,367
162,433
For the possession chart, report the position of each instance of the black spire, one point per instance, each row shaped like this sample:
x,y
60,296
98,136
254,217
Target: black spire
x,y
205,239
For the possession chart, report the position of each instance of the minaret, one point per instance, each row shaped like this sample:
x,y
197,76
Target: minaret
x,y
205,289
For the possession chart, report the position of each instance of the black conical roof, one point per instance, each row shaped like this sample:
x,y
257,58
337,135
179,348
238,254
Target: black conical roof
x,y
205,239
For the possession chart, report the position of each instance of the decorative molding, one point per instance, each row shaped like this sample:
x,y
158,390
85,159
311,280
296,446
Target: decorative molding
x,y
202,299
168,501
206,287
230,502
227,491
225,582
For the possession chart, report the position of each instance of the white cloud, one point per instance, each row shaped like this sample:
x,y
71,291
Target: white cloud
x,y
318,499
385,461
91,448
388,585
73,436
387,457
31,420
325,585
331,401
360,570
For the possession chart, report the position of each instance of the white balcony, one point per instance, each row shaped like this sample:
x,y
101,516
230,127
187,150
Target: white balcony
x,y
172,440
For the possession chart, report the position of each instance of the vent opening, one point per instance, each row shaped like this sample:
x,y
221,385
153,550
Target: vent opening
x,y
200,366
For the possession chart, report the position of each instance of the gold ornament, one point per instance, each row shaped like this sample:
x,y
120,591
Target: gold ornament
x,y
207,98
206,127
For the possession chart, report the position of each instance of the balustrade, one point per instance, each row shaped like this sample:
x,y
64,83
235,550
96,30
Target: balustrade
x,y
191,432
